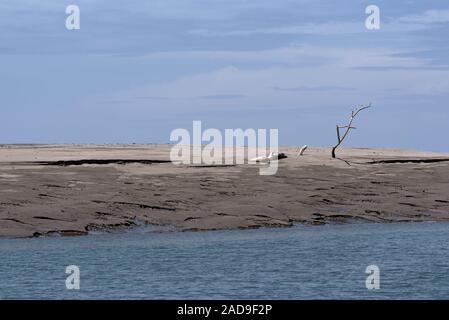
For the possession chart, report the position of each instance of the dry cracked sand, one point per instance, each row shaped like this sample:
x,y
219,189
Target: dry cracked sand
x,y
74,189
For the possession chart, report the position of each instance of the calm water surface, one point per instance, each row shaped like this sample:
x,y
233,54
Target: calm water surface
x,y
303,262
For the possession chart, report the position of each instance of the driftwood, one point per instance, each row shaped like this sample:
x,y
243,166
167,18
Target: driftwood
x,y
301,151
272,156
347,128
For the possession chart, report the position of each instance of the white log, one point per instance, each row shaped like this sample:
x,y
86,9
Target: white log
x,y
271,156
301,151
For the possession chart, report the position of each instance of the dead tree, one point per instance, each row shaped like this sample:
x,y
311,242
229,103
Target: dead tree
x,y
347,128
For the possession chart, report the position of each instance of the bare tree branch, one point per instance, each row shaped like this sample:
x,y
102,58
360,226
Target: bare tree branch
x,y
348,127
338,134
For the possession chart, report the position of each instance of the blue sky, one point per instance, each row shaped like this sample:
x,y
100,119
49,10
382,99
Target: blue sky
x,y
136,70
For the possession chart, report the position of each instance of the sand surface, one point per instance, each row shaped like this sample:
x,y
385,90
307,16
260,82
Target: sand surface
x,y
74,189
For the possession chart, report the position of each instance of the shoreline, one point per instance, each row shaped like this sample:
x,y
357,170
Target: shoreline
x,y
73,189
166,229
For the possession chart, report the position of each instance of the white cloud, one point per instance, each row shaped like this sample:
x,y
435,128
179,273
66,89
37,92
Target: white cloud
x,y
428,17
327,28
304,55
257,88
402,24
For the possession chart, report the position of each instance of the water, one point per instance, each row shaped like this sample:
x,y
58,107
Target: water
x,y
303,262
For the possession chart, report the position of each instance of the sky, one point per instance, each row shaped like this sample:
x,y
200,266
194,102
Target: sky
x,y
136,70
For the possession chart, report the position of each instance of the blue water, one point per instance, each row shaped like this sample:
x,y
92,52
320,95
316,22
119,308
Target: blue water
x,y
303,262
